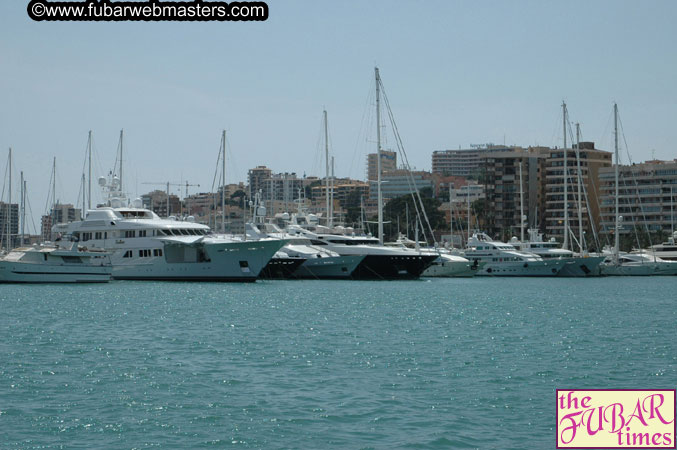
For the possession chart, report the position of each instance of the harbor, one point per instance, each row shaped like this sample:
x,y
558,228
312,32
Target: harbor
x,y
338,225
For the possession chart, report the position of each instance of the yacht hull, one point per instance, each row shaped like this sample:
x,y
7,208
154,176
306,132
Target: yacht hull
x,y
392,267
228,261
335,267
450,269
281,268
15,272
639,269
522,269
581,267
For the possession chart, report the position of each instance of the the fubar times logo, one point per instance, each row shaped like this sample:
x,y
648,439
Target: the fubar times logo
x,y
622,418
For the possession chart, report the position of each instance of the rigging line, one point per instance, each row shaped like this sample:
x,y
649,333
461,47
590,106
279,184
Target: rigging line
x,y
632,173
362,129
410,178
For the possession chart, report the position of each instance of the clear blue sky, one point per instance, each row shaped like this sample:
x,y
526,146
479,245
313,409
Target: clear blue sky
x,y
456,73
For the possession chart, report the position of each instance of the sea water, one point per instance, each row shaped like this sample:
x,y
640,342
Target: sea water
x,y
440,363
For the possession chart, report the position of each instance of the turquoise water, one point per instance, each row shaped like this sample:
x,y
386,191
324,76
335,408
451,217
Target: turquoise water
x,y
444,363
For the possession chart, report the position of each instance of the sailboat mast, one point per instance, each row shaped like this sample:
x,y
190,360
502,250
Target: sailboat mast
x,y
467,194
121,133
9,205
581,238
521,206
53,192
82,213
331,194
618,223
326,164
89,184
565,245
23,209
223,185
378,156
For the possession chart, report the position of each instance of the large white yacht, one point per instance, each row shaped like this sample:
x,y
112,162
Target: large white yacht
x,y
666,250
576,266
379,263
145,247
504,260
60,262
446,265
317,261
637,264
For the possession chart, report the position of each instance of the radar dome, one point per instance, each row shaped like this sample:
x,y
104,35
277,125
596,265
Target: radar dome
x,y
102,181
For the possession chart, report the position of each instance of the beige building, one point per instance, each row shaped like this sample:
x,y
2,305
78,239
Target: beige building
x,y
647,195
592,161
388,162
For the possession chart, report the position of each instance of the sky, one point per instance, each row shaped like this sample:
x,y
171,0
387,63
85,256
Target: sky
x,y
456,73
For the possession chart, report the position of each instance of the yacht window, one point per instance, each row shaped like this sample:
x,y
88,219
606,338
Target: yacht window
x,y
128,254
316,242
130,233
142,233
97,235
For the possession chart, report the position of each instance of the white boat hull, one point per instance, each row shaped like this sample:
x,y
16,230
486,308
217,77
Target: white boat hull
x,y
450,269
522,269
337,267
581,266
639,269
228,261
18,272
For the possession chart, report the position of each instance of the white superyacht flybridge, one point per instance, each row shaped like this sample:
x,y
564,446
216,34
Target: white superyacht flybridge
x,y
145,247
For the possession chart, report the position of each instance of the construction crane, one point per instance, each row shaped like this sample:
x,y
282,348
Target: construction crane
x,y
168,184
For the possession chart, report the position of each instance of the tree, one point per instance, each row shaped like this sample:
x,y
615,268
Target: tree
x,y
395,212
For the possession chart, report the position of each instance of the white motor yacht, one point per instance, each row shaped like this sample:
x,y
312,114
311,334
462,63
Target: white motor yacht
x,y
315,260
379,262
60,262
145,247
503,260
666,250
576,265
637,264
446,265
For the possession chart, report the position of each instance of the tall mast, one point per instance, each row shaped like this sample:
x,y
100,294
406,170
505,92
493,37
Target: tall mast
x,y
326,165
53,192
121,133
9,205
168,199
82,213
378,156
565,245
89,184
23,209
521,206
672,216
331,193
451,220
618,222
581,238
467,195
223,183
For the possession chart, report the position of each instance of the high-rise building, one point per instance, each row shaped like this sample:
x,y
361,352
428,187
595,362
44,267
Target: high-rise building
x,y
592,161
9,223
156,201
256,179
647,195
464,162
502,172
60,213
396,183
388,162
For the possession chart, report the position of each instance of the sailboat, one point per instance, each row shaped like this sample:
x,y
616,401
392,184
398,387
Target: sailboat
x,y
618,263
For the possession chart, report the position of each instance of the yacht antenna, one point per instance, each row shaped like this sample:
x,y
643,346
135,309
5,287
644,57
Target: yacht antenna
x,y
521,206
617,228
378,156
565,245
581,238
